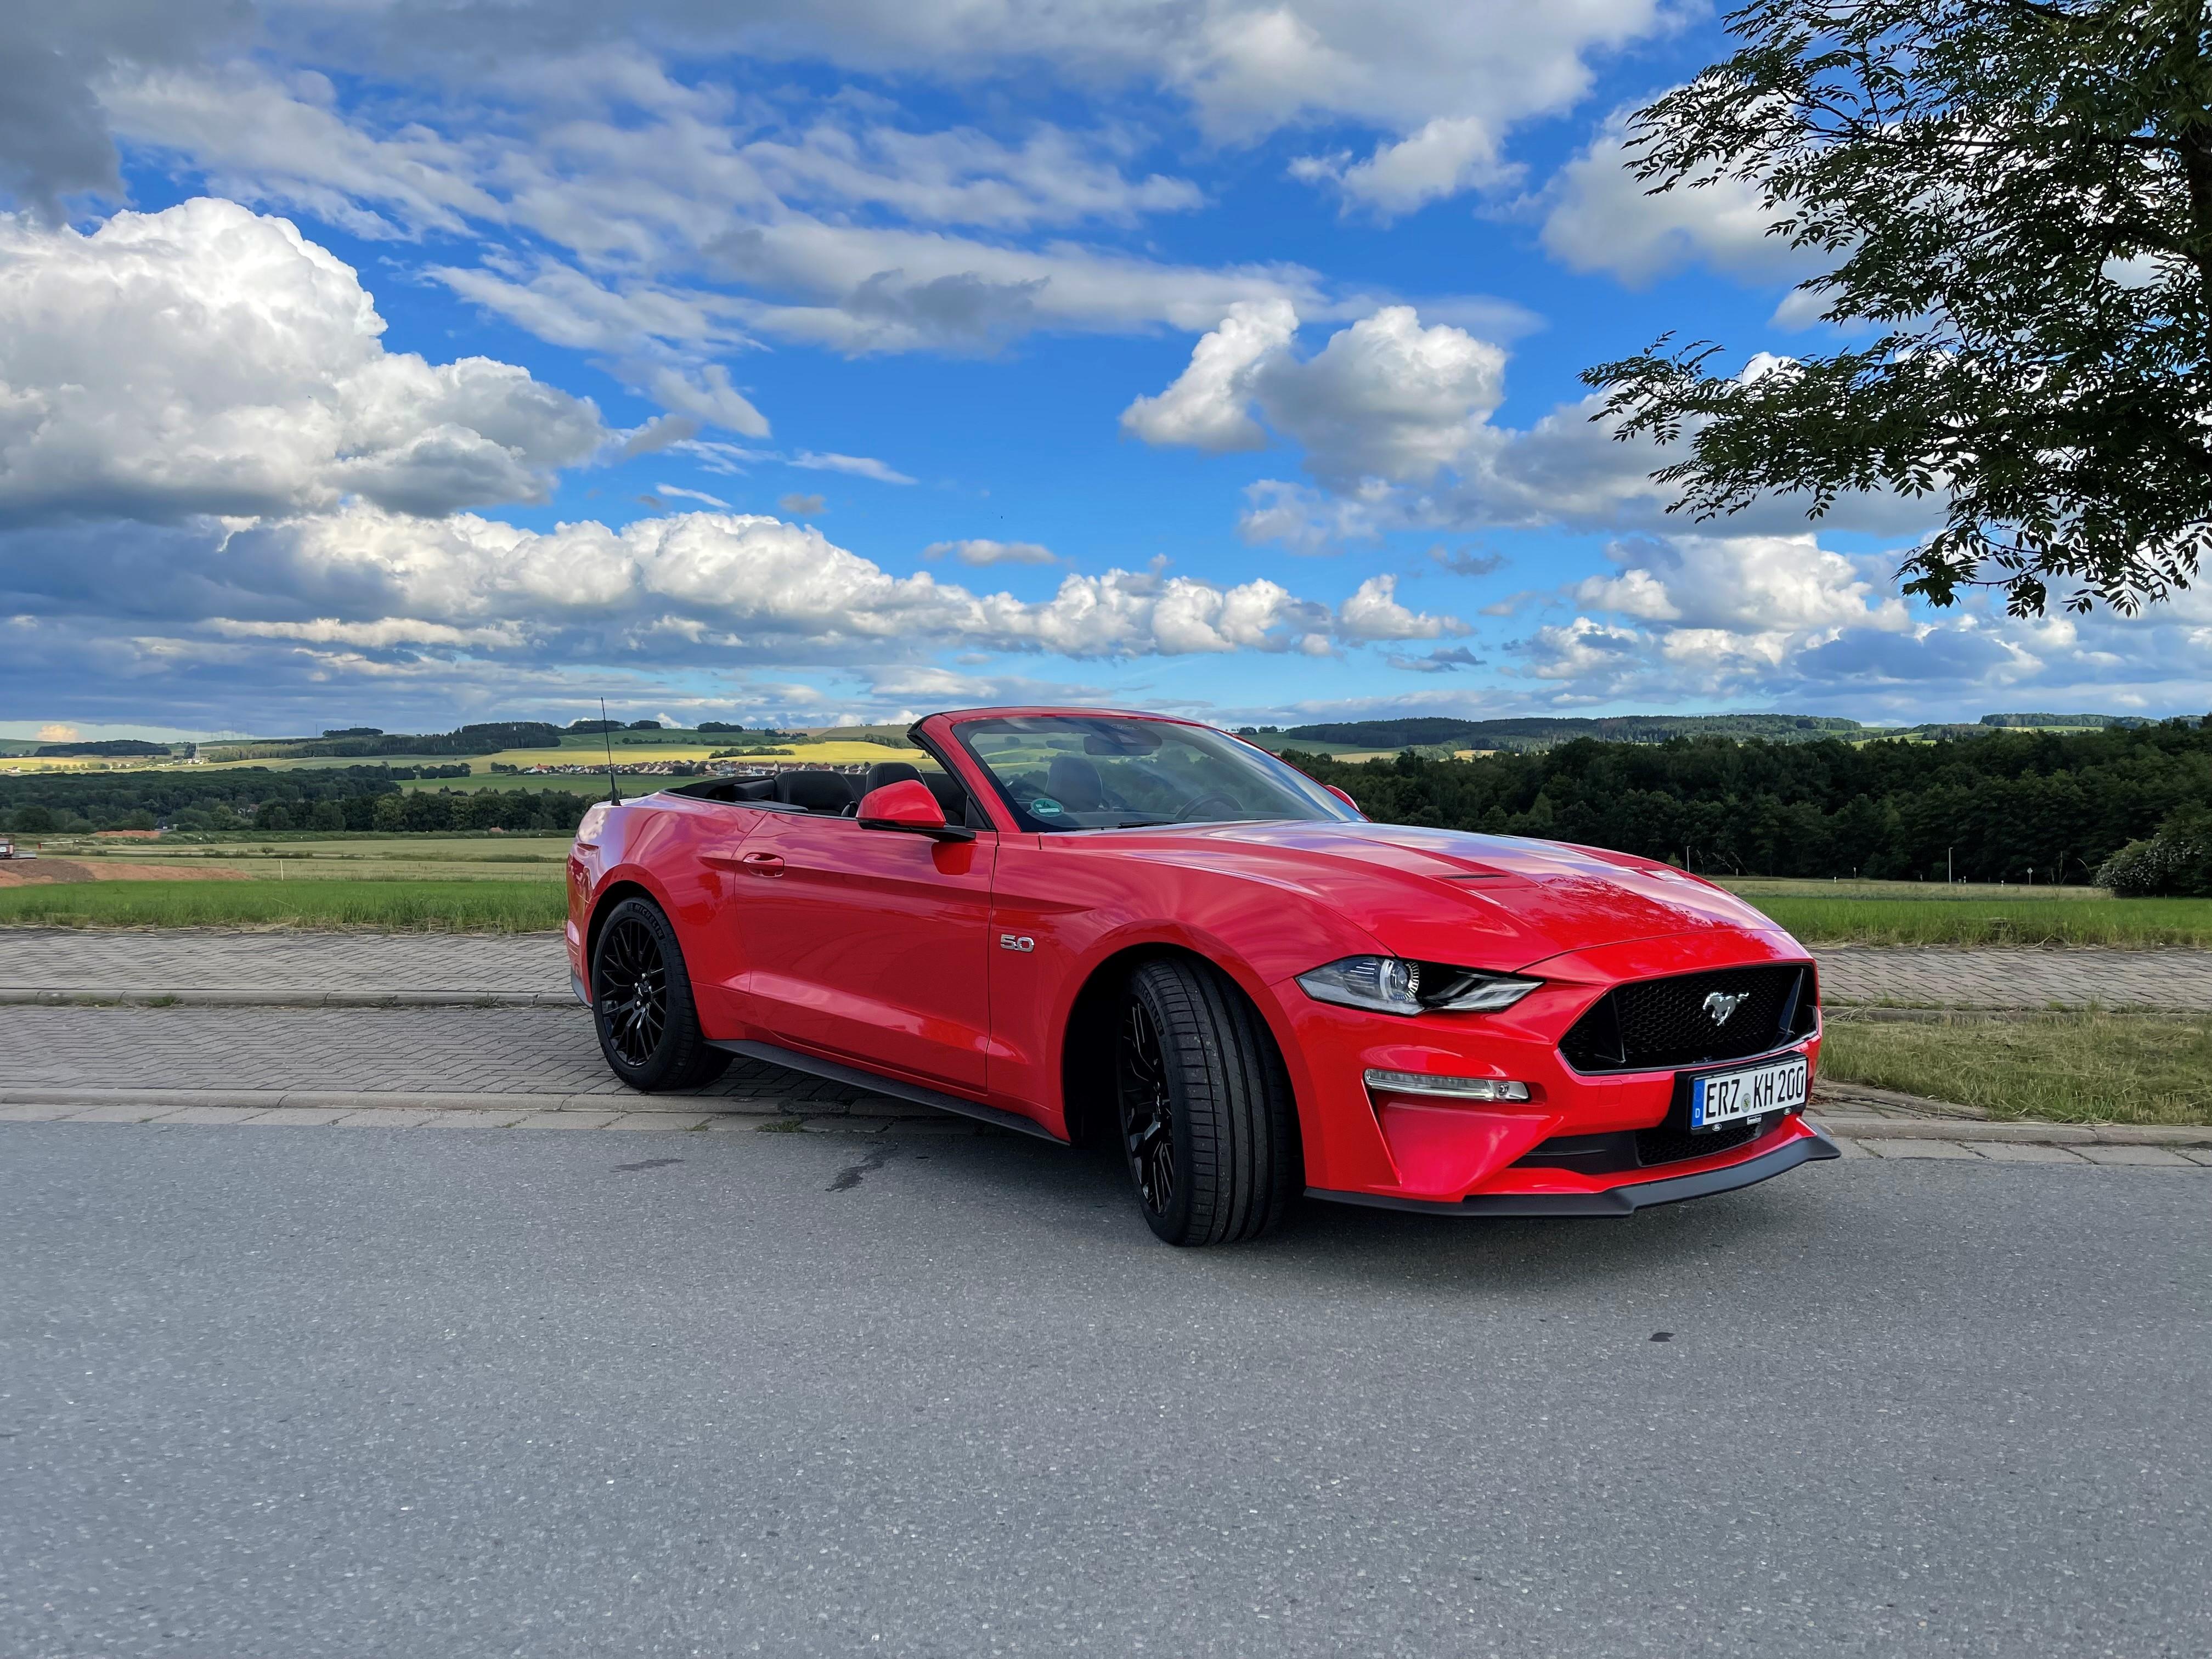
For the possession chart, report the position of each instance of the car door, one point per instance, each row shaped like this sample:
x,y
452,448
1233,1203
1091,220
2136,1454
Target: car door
x,y
868,945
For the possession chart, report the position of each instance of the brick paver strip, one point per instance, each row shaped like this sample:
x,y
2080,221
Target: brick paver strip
x,y
297,962
2017,979
360,1053
345,969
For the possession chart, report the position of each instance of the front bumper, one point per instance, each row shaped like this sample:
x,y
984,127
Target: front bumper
x,y
1624,1199
1418,1153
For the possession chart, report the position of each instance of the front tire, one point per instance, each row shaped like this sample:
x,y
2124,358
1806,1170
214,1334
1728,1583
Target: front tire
x,y
642,1003
1208,1126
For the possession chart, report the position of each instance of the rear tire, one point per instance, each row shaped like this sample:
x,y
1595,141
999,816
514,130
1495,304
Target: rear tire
x,y
642,1003
1208,1126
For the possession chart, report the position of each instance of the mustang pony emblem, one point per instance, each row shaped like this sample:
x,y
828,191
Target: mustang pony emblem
x,y
1719,1005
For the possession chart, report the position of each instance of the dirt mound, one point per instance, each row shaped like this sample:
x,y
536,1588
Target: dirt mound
x,y
32,873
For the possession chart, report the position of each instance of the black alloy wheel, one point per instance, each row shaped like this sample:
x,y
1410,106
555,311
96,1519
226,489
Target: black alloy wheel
x,y
641,1004
1209,1129
1147,1113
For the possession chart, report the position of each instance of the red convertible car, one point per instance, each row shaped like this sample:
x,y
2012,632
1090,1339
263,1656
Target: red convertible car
x,y
1089,925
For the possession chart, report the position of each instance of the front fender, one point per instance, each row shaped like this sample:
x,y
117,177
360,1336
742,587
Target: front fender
x,y
1083,910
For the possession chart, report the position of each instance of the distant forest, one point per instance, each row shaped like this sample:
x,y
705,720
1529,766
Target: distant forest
x,y
256,798
1996,806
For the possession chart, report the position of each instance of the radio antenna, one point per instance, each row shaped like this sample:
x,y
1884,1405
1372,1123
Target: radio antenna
x,y
607,732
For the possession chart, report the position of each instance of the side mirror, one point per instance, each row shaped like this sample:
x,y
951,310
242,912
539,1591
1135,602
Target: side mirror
x,y
909,806
1346,798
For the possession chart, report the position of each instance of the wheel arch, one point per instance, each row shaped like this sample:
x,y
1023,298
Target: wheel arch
x,y
1086,1055
610,894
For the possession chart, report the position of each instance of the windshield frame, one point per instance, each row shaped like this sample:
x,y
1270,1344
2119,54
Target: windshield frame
x,y
1328,808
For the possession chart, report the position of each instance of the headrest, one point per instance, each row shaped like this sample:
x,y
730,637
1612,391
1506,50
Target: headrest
x,y
817,792
1073,781
883,771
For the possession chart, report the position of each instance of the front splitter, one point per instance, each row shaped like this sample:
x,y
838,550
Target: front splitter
x,y
1625,1200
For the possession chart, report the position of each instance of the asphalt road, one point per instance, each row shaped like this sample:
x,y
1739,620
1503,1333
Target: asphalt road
x,y
297,1393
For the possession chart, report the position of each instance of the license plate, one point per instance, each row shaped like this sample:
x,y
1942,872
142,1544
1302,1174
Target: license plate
x,y
1735,1095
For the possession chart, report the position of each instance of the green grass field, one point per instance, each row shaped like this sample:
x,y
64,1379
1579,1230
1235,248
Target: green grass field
x,y
2127,924
383,906
2070,1067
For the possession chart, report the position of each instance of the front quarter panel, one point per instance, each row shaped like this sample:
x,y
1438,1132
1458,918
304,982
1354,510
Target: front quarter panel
x,y
1064,906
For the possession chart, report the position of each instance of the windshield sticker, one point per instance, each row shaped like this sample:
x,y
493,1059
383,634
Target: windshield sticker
x,y
1046,807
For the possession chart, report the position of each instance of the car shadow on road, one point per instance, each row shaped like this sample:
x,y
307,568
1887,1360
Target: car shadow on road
x,y
1086,1191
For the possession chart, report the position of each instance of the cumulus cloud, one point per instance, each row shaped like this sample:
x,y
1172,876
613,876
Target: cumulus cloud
x,y
1207,406
1384,399
981,551
208,360
1444,157
1373,613
685,587
1394,420
1786,620
1601,217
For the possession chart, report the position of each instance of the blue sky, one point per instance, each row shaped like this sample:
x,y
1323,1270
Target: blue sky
x,y
403,364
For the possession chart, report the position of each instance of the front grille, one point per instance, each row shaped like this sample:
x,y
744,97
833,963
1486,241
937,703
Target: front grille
x,y
1657,1024
1668,1145
1637,1149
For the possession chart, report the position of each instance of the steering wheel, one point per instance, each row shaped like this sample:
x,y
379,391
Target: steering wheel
x,y
1211,796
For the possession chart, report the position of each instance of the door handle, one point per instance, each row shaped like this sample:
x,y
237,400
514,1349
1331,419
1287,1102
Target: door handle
x,y
762,864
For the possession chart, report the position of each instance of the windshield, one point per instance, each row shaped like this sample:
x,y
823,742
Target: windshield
x,y
1099,772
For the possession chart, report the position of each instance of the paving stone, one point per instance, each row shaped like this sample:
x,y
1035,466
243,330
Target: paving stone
x,y
2157,1156
666,1121
2196,1154
566,1120
2015,1151
466,1120
1982,978
412,966
364,1052
383,1117
204,1114
117,1113
37,1114
300,1117
1915,1148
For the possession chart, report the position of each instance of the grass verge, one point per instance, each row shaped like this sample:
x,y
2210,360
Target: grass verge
x,y
2132,924
426,907
2063,1067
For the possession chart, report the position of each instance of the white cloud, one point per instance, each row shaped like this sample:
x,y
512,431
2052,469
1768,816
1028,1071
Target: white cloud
x,y
1373,613
1206,407
208,360
704,587
707,395
981,551
1444,157
860,466
1602,217
1384,399
682,493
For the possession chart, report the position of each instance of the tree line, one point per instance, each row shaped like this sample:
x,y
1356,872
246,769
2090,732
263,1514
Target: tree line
x,y
357,798
1989,808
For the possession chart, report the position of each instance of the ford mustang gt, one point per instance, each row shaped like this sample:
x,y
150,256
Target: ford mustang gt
x,y
1095,926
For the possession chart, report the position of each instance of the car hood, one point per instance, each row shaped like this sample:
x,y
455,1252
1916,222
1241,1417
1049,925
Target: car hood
x,y
1501,902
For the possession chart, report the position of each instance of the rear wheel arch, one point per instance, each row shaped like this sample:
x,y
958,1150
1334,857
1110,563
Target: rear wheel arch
x,y
603,906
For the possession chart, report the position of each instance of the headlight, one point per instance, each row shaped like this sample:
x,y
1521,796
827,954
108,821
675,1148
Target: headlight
x,y
1392,985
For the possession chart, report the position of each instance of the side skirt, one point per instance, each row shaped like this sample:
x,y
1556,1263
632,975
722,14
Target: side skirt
x,y
1614,1200
791,1060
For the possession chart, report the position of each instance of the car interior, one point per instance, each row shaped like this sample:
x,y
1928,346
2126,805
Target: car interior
x,y
833,794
